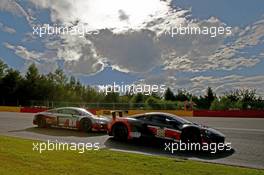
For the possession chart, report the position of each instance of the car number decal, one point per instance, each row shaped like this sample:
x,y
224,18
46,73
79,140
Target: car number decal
x,y
160,133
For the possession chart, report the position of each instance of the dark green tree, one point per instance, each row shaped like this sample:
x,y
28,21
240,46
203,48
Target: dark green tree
x,y
182,96
209,97
169,95
3,69
10,86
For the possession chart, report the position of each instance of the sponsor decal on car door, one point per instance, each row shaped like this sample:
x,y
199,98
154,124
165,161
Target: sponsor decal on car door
x,y
156,126
73,121
160,128
64,118
157,131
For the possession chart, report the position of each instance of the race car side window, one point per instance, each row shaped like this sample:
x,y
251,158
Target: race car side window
x,y
158,119
60,111
76,112
146,118
142,117
172,122
70,112
52,111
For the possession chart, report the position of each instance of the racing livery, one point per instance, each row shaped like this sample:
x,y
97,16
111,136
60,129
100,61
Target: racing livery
x,y
70,117
164,126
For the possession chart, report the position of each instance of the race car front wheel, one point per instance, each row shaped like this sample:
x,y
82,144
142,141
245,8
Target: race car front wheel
x,y
86,125
42,122
120,132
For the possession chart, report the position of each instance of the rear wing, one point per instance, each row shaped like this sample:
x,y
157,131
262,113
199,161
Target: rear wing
x,y
118,113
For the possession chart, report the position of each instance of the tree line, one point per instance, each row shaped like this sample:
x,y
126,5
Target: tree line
x,y
36,89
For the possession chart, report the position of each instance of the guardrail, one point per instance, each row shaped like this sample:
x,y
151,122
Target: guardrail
x,y
230,113
9,109
194,113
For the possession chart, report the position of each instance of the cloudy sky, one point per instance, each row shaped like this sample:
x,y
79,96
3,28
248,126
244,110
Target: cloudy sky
x,y
133,44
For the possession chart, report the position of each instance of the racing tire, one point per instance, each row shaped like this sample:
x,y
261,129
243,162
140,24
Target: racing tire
x,y
86,125
120,132
42,122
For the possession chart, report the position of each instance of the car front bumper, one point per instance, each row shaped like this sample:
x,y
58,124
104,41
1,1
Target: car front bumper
x,y
99,127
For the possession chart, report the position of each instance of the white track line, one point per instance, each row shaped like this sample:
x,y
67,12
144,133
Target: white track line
x,y
241,129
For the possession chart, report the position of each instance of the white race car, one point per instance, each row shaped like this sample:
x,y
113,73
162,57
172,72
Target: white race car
x,y
71,117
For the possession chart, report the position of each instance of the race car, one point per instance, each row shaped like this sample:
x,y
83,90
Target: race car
x,y
163,126
70,117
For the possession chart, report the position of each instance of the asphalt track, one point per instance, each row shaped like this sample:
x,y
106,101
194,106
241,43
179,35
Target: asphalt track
x,y
246,136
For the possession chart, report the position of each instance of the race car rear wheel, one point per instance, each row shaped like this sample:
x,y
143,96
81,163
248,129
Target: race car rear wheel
x,y
86,125
42,122
120,132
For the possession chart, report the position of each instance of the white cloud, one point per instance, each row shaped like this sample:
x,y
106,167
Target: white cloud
x,y
24,53
80,56
142,38
134,51
44,67
132,39
198,85
15,8
200,53
101,14
7,29
230,54
230,82
45,62
123,51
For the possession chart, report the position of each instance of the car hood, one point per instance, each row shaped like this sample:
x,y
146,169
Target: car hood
x,y
204,127
214,131
102,119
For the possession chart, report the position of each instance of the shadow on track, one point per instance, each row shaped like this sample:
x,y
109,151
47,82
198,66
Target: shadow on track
x,y
60,132
157,147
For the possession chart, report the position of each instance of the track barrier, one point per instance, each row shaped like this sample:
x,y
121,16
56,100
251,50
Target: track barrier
x,y
183,113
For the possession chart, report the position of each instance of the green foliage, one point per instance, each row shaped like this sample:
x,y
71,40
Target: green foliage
x,y
168,95
3,68
209,97
172,105
183,96
154,103
10,86
138,100
244,99
222,104
56,89
112,97
17,157
15,89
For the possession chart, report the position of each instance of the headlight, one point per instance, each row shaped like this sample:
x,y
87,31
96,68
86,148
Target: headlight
x,y
213,132
101,122
208,132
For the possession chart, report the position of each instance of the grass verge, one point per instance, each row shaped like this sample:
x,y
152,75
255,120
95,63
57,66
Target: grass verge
x,y
17,157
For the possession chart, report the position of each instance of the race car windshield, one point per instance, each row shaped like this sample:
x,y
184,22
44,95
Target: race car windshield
x,y
85,111
181,120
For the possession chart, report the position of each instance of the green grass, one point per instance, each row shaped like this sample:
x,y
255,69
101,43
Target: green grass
x,y
17,157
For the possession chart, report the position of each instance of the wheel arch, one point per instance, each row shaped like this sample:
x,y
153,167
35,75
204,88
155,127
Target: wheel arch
x,y
39,116
119,123
124,123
